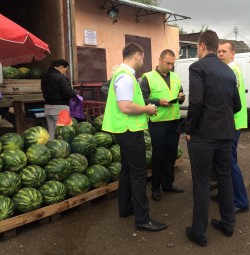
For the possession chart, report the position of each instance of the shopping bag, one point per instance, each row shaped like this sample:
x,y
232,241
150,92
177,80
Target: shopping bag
x,y
76,107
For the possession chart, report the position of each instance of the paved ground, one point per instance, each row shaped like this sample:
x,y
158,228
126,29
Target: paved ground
x,y
97,229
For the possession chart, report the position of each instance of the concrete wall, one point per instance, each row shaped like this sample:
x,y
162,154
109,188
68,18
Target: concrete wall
x,y
111,35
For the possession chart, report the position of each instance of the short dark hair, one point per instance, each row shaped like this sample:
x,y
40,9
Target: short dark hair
x,y
59,62
167,52
130,49
232,45
210,39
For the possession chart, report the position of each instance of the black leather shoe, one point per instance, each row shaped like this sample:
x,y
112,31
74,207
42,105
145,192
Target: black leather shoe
x,y
241,210
156,195
127,214
219,226
193,238
173,189
151,226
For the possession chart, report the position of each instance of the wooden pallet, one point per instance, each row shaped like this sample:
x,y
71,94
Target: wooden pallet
x,y
53,210
46,211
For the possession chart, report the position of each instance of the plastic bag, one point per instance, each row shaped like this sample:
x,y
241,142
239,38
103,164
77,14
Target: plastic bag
x,y
76,107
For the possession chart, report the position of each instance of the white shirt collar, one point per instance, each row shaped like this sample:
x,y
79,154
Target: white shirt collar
x,y
232,63
129,68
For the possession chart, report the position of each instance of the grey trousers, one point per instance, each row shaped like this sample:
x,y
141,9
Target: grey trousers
x,y
51,113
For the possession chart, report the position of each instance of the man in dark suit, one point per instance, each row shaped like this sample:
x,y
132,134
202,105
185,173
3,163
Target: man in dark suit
x,y
209,128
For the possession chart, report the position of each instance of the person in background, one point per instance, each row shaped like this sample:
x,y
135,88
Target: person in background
x,y
57,91
159,87
209,128
126,116
226,53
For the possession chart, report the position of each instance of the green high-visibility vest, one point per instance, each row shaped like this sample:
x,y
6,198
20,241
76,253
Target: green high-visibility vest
x,y
114,120
159,89
240,118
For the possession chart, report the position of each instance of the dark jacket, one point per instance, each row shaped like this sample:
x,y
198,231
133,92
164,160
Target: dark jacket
x,y
56,88
213,99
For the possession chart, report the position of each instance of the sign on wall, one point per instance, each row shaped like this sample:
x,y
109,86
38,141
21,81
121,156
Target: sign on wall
x,y
90,37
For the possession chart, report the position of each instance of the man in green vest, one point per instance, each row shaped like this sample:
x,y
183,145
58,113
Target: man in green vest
x,y
226,52
162,87
126,117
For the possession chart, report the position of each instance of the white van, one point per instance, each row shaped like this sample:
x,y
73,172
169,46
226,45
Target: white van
x,y
182,69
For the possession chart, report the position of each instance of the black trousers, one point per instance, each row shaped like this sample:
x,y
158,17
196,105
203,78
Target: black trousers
x,y
133,176
165,141
204,154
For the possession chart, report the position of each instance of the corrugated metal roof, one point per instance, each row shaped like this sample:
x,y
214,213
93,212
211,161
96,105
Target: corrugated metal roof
x,y
149,9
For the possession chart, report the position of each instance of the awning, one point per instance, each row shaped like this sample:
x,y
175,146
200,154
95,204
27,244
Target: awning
x,y
145,9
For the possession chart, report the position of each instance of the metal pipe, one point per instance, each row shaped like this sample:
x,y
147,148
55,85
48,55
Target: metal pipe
x,y
70,40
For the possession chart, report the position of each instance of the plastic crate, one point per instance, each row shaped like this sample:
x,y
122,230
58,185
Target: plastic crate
x,y
92,109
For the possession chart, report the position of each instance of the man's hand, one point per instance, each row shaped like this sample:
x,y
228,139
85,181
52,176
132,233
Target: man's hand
x,y
188,137
181,94
164,102
151,109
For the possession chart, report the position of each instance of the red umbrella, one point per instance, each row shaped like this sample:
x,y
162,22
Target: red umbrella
x,y
17,45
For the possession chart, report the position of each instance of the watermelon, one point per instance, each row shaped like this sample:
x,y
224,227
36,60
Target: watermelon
x,y
24,72
114,139
115,151
146,132
66,133
58,169
179,152
74,122
84,128
84,144
148,158
10,183
101,156
11,141
53,192
103,139
27,199
78,162
147,142
13,160
64,118
76,184
6,207
1,164
98,122
99,175
33,176
35,135
10,72
59,148
114,169
38,154
36,73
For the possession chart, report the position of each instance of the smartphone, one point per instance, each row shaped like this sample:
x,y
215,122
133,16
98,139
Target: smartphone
x,y
173,101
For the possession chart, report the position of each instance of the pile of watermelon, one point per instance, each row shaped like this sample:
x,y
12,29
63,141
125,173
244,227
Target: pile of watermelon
x,y
36,172
10,72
